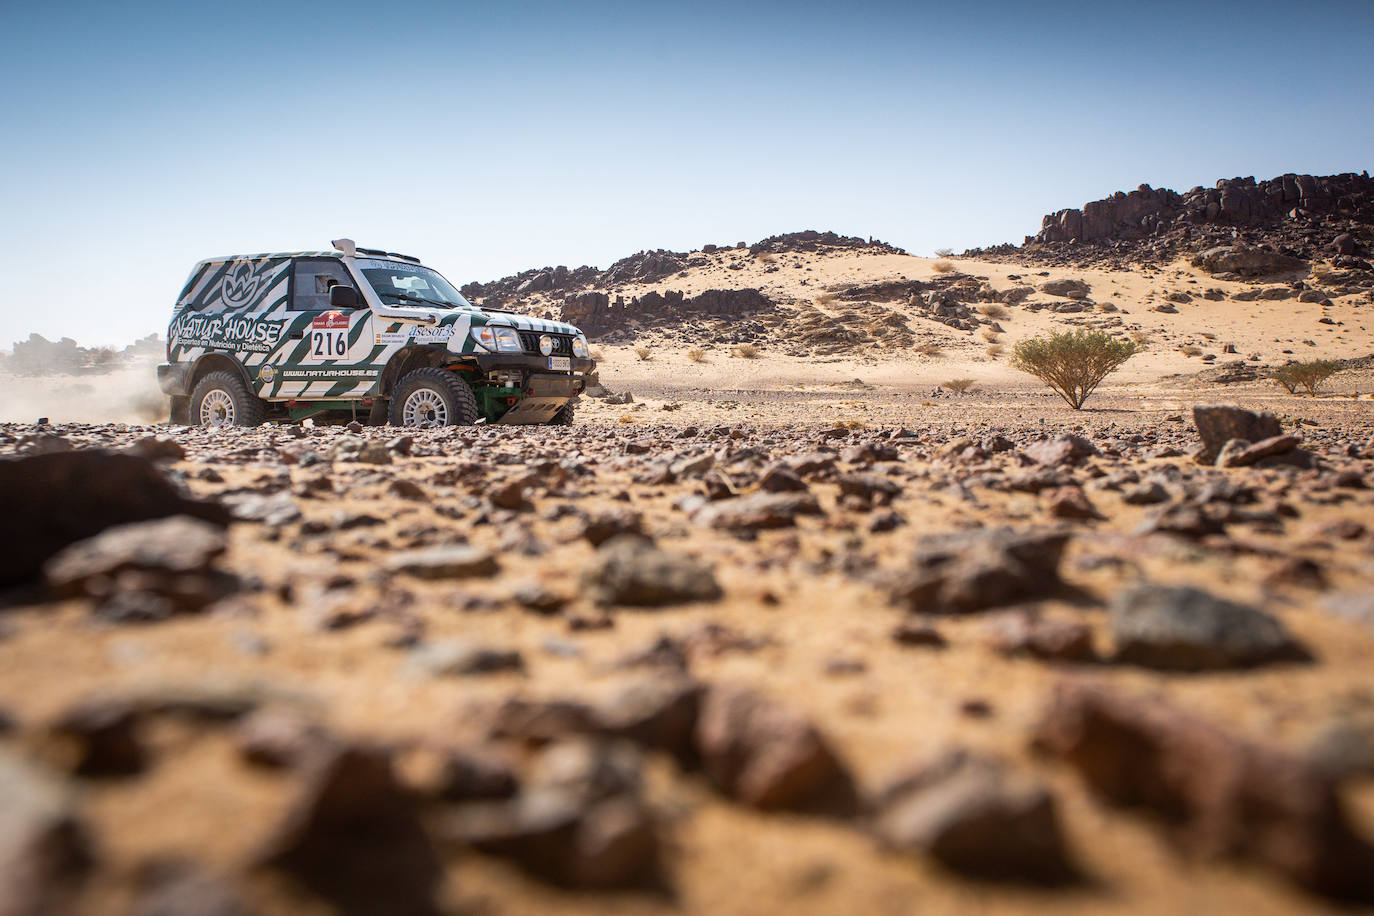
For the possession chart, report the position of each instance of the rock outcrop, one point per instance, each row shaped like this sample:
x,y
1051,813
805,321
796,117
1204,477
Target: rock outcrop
x,y
1298,216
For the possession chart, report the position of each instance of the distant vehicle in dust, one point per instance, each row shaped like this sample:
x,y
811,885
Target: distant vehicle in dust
x,y
364,333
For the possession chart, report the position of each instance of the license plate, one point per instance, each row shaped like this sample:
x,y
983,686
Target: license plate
x,y
560,363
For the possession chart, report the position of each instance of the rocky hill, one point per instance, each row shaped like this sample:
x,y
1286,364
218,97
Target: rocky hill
x,y
652,266
1303,216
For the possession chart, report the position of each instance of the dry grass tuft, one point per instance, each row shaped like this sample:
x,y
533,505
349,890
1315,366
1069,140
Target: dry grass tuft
x,y
767,257
942,267
928,349
989,335
958,385
697,355
994,311
746,351
825,298
644,353
996,350
1190,350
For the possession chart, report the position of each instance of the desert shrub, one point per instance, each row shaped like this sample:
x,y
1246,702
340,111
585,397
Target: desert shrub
x,y
994,311
943,252
1190,350
942,267
928,349
1141,339
1309,374
626,418
643,352
766,257
1073,363
1286,377
746,351
989,335
958,385
996,350
697,355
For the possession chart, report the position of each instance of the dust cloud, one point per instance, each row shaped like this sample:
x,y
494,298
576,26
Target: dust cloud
x,y
125,395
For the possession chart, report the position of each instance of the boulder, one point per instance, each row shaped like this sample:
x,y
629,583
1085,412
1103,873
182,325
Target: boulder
x,y
1214,794
1247,262
1186,629
1219,423
52,500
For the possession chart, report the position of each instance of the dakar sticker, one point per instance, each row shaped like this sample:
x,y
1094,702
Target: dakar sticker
x,y
330,321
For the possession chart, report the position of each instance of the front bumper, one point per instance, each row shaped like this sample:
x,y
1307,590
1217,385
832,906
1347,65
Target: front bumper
x,y
491,362
173,379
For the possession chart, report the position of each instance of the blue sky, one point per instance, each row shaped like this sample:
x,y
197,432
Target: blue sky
x,y
488,138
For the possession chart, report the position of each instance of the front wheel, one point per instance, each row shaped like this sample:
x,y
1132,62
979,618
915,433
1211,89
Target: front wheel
x,y
222,399
432,397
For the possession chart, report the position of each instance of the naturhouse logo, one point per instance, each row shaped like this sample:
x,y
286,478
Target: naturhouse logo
x,y
239,285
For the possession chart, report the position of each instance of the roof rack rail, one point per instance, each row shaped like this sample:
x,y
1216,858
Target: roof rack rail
x,y
389,254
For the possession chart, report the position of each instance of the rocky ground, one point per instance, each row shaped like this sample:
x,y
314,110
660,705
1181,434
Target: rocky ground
x,y
693,660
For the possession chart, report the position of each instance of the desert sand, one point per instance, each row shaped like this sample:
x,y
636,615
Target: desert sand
x,y
321,628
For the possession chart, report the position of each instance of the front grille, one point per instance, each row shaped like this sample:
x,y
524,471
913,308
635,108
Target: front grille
x,y
562,344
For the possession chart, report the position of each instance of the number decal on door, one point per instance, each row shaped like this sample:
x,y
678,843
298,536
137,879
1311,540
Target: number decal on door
x,y
329,336
328,344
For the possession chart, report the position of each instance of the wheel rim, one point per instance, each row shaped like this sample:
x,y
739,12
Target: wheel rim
x,y
424,408
217,408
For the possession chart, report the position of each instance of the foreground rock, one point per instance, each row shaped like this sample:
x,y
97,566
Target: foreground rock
x,y
1217,424
56,499
579,822
145,571
632,571
973,816
352,836
1187,629
974,570
762,753
44,850
1216,796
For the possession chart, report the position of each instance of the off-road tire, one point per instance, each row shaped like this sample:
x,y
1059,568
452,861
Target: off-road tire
x,y
444,388
181,411
228,389
564,417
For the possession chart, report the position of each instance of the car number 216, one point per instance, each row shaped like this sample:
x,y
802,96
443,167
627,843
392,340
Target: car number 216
x,y
328,344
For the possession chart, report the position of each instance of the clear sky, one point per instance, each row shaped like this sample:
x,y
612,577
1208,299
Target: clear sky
x,y
487,138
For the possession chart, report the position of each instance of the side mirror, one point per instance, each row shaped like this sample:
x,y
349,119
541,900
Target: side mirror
x,y
344,297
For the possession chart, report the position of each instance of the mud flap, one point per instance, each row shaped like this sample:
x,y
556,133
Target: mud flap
x,y
532,410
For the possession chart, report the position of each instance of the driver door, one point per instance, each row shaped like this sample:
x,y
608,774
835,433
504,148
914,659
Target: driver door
x,y
325,354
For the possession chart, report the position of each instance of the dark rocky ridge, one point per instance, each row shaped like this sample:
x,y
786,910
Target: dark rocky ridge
x,y
651,266
1305,216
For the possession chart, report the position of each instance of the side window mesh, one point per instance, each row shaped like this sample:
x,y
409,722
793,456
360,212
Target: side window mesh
x,y
313,280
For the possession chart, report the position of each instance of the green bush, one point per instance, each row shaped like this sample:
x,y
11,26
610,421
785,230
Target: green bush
x,y
1308,374
1073,363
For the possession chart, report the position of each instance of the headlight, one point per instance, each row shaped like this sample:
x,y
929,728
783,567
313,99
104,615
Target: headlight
x,y
497,339
580,347
545,344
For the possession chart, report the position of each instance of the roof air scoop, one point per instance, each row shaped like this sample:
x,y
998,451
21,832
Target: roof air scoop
x,y
347,246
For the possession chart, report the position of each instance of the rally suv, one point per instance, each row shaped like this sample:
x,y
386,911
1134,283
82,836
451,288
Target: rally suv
x,y
359,332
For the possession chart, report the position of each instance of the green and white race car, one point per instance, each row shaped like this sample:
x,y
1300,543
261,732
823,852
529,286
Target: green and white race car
x,y
359,330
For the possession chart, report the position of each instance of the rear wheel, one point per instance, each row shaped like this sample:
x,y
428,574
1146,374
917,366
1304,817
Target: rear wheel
x,y
222,399
432,397
564,417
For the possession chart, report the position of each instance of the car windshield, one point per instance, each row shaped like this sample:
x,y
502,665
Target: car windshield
x,y
399,283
